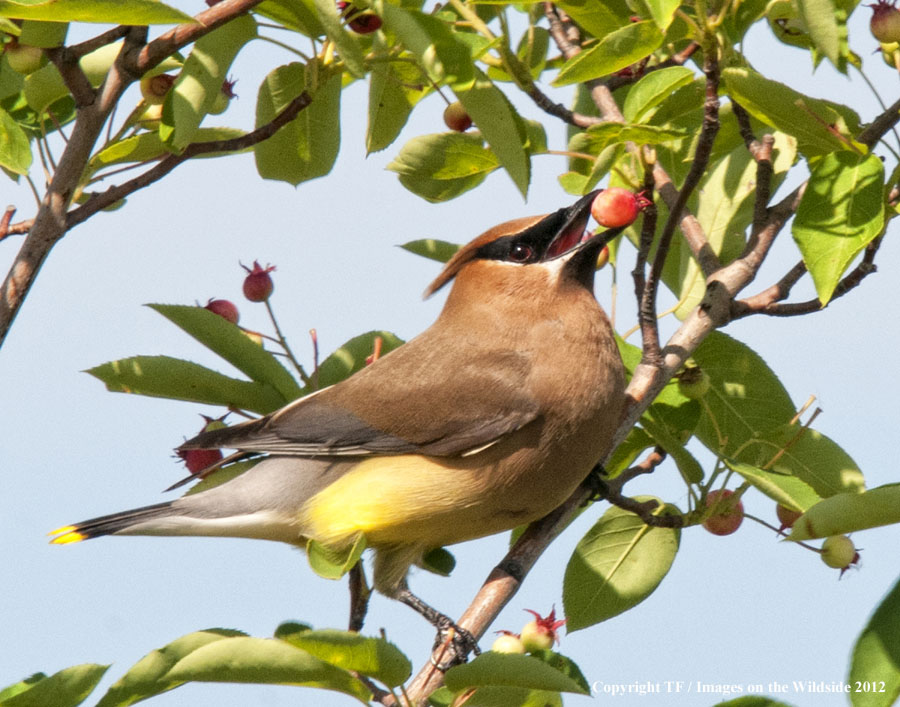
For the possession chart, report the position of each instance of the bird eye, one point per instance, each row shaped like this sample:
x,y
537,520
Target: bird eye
x,y
520,253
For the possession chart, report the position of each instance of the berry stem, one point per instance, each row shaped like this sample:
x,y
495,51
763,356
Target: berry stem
x,y
779,532
282,341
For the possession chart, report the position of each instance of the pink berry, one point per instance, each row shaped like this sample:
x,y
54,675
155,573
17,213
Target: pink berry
x,y
258,285
224,309
728,515
456,118
786,516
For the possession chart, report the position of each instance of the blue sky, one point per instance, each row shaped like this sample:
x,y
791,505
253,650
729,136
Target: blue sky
x,y
744,609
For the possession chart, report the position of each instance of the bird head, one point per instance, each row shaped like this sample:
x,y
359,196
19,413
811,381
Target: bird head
x,y
527,251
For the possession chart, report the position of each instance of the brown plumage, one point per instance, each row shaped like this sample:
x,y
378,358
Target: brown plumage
x,y
487,420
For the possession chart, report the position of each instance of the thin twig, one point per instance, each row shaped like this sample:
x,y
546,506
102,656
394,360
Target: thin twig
x,y
120,191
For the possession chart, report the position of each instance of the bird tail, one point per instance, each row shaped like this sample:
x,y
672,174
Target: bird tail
x,y
109,524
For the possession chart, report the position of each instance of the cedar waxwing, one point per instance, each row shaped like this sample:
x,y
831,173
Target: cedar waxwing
x,y
488,420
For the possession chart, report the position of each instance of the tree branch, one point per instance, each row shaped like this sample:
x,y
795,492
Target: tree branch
x,y
115,193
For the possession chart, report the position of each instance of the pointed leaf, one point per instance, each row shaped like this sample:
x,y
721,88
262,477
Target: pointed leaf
x,y
116,12
167,377
613,52
500,125
840,213
67,688
662,12
432,248
814,122
306,147
652,90
745,397
785,489
147,677
232,344
346,42
442,166
616,565
200,80
351,357
46,86
510,670
15,149
294,14
597,18
443,56
144,147
848,512
391,100
821,22
876,655
374,657
267,661
807,454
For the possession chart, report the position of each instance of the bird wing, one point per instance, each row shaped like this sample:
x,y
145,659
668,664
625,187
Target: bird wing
x,y
407,402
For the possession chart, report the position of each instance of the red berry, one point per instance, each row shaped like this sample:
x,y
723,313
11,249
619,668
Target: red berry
x,y
885,22
728,513
616,207
224,309
359,21
258,285
456,118
196,460
787,516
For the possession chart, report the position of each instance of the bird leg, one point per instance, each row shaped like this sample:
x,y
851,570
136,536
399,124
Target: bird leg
x,y
461,641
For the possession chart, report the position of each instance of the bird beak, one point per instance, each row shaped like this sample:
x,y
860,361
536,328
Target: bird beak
x,y
572,236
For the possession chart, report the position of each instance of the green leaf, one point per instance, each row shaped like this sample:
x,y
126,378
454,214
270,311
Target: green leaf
x,y
809,455
15,149
43,34
613,52
231,343
876,656
67,688
564,665
374,657
173,378
306,147
439,561
144,147
745,397
351,357
444,57
200,80
753,701
821,22
442,166
662,12
391,100
599,137
347,44
500,125
627,452
812,121
147,677
597,18
840,213
510,670
334,563
45,86
28,682
294,14
616,565
432,248
848,512
785,489
652,90
267,661
115,12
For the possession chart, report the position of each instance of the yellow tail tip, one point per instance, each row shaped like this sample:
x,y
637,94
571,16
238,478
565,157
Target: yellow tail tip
x,y
65,535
